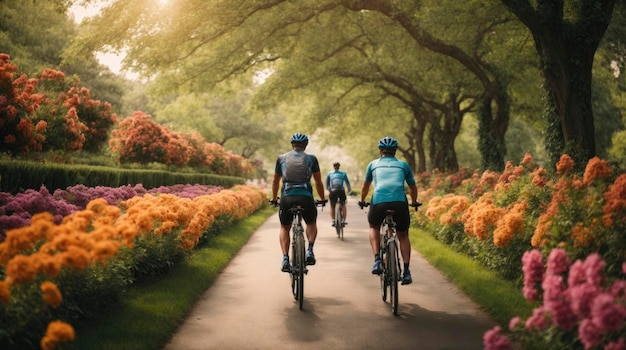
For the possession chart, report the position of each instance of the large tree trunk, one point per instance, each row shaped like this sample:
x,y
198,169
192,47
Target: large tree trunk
x,y
566,42
568,77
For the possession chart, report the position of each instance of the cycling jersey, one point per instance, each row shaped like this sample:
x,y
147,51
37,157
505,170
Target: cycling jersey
x,y
296,169
336,179
389,174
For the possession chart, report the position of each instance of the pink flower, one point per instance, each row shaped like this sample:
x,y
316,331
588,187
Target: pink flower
x,y
514,322
532,265
558,262
593,266
537,321
577,274
588,333
493,340
553,287
607,314
616,345
581,296
562,314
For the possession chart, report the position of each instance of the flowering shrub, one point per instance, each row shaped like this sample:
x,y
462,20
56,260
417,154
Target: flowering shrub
x,y
48,113
51,271
17,210
581,307
139,139
504,215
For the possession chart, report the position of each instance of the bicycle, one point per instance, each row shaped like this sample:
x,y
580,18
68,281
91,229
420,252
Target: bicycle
x,y
390,258
297,256
339,221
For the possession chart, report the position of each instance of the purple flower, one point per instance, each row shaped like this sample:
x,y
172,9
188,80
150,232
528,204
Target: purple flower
x,y
577,274
493,340
553,287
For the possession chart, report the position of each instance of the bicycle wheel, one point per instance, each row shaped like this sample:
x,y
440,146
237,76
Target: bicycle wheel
x,y
392,264
339,220
294,269
384,279
300,269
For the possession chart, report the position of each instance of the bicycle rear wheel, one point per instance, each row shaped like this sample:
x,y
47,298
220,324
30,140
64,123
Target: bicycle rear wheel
x,y
339,220
392,264
299,271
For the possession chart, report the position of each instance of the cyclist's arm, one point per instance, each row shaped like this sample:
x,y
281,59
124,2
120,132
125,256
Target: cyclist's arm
x,y
413,193
347,182
328,181
319,186
275,185
365,190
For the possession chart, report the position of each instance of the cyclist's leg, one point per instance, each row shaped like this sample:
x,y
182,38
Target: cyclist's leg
x,y
332,196
402,221
374,218
310,218
344,211
285,218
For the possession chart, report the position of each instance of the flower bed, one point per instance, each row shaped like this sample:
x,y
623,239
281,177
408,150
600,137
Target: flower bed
x,y
52,273
500,218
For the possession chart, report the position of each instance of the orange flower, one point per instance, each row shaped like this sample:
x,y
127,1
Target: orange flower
x,y
5,292
58,332
51,294
21,269
75,257
596,169
565,165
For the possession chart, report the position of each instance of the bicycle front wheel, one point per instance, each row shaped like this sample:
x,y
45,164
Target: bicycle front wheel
x,y
392,266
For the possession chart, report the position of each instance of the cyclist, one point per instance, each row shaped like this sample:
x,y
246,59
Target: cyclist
x,y
389,175
334,184
295,168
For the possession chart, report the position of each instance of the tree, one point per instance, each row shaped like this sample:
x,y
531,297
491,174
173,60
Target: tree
x,y
567,35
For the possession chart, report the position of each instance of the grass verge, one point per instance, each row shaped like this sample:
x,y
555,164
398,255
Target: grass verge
x,y
501,299
148,316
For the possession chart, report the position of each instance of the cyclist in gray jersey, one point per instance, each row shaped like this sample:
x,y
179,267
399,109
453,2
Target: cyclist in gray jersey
x,y
389,175
295,169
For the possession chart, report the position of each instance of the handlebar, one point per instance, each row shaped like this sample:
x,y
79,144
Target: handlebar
x,y
367,204
318,203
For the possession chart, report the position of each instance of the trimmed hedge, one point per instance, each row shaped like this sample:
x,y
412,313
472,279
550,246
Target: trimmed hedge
x,y
17,176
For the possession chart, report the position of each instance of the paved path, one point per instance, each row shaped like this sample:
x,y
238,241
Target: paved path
x,y
250,305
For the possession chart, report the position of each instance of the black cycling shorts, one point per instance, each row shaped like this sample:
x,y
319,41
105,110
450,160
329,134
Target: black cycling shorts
x,y
337,194
401,216
287,202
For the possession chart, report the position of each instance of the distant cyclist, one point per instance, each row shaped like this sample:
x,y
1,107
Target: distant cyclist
x,y
335,185
389,175
295,169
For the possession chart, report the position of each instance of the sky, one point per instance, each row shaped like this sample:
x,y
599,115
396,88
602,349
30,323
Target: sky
x,y
113,61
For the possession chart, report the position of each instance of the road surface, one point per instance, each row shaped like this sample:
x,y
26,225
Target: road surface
x,y
250,305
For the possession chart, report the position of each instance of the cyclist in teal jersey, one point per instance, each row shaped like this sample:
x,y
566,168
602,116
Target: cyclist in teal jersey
x,y
336,191
389,175
295,169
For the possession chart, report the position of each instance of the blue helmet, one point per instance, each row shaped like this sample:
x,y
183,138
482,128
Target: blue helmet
x,y
387,142
299,138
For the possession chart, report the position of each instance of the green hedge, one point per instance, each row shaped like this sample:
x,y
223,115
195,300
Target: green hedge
x,y
17,176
